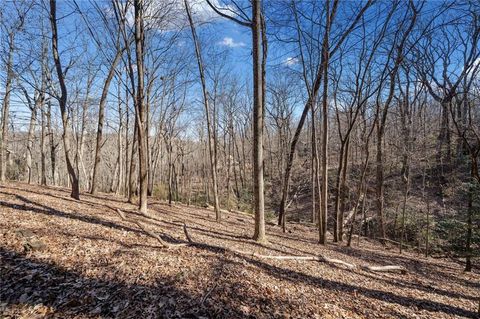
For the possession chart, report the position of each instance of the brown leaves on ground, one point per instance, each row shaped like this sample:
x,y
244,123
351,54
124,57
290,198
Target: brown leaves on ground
x,y
94,264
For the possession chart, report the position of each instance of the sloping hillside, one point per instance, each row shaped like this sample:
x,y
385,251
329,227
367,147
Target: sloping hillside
x,y
80,259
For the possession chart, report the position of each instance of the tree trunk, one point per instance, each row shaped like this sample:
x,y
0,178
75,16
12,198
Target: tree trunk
x,y
63,103
43,173
337,225
6,109
140,108
210,133
101,116
258,108
324,181
132,170
379,182
53,147
31,130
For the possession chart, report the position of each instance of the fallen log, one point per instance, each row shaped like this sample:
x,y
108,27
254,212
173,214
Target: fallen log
x,y
148,232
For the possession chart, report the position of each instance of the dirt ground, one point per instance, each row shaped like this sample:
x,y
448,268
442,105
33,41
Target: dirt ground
x,y
62,258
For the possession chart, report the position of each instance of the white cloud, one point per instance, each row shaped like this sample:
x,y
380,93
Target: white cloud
x,y
202,10
229,42
290,61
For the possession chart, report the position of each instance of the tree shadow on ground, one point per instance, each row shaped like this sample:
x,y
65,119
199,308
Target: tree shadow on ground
x,y
32,206
48,189
26,281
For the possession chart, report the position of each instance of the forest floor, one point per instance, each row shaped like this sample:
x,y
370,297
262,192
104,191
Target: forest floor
x,y
79,259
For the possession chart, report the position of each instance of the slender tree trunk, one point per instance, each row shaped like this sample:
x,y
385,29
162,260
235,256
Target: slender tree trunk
x,y
43,173
380,181
31,130
405,197
6,109
53,147
131,180
324,180
81,141
126,186
475,178
210,134
101,116
140,107
336,227
316,188
343,190
444,140
310,102
63,103
170,171
361,193
119,148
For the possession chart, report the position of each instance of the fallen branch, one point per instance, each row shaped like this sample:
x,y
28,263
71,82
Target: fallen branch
x,y
147,231
208,293
288,257
320,258
337,262
186,233
401,269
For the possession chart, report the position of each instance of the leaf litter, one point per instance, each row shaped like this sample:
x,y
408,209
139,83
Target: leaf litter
x,y
88,262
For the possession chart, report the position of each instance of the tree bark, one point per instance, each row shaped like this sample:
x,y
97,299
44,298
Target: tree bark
x,y
6,109
140,108
31,130
324,181
258,109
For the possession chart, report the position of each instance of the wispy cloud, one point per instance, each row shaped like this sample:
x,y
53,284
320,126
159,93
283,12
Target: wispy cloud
x,y
290,61
229,42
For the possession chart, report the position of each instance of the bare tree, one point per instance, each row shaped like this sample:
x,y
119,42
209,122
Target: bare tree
x,y
259,50
11,26
62,100
210,135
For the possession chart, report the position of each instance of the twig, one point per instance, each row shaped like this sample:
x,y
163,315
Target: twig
x,y
208,294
